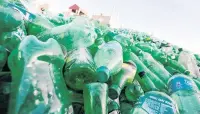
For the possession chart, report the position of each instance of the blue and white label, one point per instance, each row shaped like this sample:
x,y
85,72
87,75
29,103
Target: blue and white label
x,y
180,83
156,105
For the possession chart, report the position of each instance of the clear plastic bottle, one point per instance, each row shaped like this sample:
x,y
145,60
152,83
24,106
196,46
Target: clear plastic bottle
x,y
37,80
186,94
95,98
79,69
122,79
108,60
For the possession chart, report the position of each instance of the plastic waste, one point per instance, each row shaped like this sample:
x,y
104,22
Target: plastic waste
x,y
5,89
197,57
148,80
99,42
10,19
125,41
122,79
109,35
155,102
155,67
3,57
186,94
133,91
10,40
79,69
37,81
78,108
163,58
37,25
171,70
126,107
95,98
189,62
108,60
78,34
113,106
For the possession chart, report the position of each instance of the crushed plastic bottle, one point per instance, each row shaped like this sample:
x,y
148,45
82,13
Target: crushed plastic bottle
x,y
78,34
95,98
10,19
108,60
37,81
186,94
79,69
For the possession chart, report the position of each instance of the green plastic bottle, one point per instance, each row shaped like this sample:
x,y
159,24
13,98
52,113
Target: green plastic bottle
x,y
125,41
122,79
3,57
99,42
155,67
109,35
108,60
10,19
37,25
186,94
95,98
163,58
147,79
79,69
197,82
171,70
78,34
37,81
197,57
126,106
10,40
155,102
113,106
133,91
78,108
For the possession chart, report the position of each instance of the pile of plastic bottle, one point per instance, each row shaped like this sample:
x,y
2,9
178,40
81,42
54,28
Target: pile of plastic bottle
x,y
54,65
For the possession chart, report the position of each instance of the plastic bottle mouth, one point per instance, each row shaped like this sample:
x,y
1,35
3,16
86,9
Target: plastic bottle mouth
x,y
141,74
114,92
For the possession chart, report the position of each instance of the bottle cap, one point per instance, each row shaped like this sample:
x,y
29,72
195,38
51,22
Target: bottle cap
x,y
141,74
114,91
103,74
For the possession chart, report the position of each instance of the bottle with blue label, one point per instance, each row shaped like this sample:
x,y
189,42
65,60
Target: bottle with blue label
x,y
155,102
186,94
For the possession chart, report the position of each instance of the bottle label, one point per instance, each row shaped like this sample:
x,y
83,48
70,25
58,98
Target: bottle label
x,y
153,104
180,83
